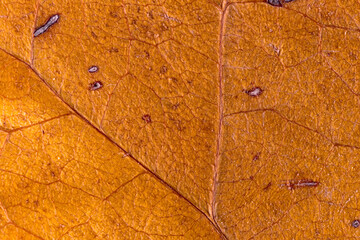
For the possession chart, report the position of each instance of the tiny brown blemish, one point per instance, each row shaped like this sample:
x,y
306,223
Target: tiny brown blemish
x,y
43,132
147,54
146,118
163,69
52,174
267,186
254,92
113,49
257,156
175,106
95,86
251,177
355,223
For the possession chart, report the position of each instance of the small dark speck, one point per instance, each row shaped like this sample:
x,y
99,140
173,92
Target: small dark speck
x,y
163,69
146,118
257,156
95,86
254,92
355,223
267,186
93,69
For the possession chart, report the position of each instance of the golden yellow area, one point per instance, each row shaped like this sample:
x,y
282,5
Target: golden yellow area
x,y
211,120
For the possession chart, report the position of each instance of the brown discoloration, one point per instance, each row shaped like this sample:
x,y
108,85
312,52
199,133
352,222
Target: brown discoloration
x,y
267,186
257,156
146,118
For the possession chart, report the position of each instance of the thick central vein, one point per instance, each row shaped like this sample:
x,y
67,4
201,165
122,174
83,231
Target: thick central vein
x,y
219,136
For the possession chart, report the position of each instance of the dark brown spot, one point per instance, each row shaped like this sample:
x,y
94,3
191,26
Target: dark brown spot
x,y
43,132
113,14
147,54
36,203
94,35
95,86
355,223
267,186
254,92
175,106
150,15
251,177
163,69
257,156
52,174
113,49
172,79
146,118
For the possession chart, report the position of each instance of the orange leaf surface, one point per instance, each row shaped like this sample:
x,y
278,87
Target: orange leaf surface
x,y
179,119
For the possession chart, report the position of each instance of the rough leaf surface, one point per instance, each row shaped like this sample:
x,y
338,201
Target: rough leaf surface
x,y
176,143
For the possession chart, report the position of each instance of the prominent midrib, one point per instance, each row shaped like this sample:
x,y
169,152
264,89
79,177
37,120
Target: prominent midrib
x,y
220,117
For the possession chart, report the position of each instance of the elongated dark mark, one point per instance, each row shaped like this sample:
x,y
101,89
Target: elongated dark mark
x,y
278,3
257,156
95,86
267,186
52,20
254,92
93,69
355,223
293,184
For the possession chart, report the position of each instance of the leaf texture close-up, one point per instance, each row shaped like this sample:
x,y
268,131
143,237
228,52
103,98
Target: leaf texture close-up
x,y
164,119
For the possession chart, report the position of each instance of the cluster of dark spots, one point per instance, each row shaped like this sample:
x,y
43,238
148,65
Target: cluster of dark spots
x,y
146,118
51,21
176,106
163,69
254,92
95,86
113,14
150,15
93,69
278,3
355,223
113,50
